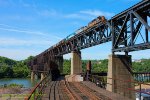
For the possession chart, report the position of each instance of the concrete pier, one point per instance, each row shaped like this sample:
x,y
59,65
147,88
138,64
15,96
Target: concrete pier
x,y
33,75
118,70
76,67
76,63
42,76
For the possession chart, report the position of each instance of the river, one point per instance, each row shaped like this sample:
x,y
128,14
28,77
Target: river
x,y
26,82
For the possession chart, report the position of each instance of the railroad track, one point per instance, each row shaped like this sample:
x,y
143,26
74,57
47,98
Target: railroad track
x,y
99,96
65,93
78,91
90,94
64,90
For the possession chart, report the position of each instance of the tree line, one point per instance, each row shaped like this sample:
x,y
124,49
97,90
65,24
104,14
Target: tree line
x,y
19,69
98,66
14,69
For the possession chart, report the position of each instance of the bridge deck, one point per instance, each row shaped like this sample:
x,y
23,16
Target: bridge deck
x,y
62,90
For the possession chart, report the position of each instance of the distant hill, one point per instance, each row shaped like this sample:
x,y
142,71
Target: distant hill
x,y
7,61
10,68
11,62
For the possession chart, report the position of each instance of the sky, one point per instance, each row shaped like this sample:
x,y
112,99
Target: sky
x,y
28,27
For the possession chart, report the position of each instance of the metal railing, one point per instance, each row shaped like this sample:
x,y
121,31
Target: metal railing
x,y
37,92
142,77
101,81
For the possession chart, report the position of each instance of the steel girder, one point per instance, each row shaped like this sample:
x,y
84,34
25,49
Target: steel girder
x,y
125,30
130,29
93,36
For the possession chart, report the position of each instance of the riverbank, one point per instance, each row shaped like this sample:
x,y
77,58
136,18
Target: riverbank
x,y
14,93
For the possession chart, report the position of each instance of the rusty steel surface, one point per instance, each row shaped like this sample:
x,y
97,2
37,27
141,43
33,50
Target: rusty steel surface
x,y
63,90
88,66
38,89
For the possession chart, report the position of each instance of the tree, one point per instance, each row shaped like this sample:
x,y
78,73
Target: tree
x,y
6,71
20,70
66,66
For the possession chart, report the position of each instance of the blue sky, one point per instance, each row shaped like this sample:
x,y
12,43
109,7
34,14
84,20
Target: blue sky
x,y
28,27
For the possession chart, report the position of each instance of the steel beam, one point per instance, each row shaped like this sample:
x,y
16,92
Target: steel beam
x,y
120,29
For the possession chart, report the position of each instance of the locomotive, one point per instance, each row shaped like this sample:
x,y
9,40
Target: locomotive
x,y
99,19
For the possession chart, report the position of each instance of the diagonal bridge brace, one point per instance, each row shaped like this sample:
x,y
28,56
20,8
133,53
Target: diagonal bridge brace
x,y
122,29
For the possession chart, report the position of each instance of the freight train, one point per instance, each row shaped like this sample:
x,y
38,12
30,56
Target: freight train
x,y
96,21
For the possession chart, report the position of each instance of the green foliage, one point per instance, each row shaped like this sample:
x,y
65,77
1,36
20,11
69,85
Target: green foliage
x,y
5,71
4,60
66,66
10,68
20,70
26,61
15,85
97,66
101,66
143,66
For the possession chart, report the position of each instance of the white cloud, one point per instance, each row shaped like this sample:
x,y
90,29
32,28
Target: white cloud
x,y
22,31
89,14
83,14
18,54
21,42
77,16
24,4
15,29
47,13
97,13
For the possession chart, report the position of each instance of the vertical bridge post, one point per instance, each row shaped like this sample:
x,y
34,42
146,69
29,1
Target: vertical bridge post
x,y
88,70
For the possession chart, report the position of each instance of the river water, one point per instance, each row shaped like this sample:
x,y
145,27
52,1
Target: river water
x,y
26,82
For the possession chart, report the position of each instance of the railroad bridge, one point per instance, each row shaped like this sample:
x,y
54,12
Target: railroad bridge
x,y
123,30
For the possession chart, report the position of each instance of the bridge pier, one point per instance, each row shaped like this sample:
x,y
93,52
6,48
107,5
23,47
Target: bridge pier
x,y
76,64
33,75
42,76
76,67
119,75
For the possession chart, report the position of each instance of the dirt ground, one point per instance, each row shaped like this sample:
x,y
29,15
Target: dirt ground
x,y
13,93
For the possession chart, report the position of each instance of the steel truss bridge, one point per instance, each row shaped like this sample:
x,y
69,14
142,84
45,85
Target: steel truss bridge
x,y
129,31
